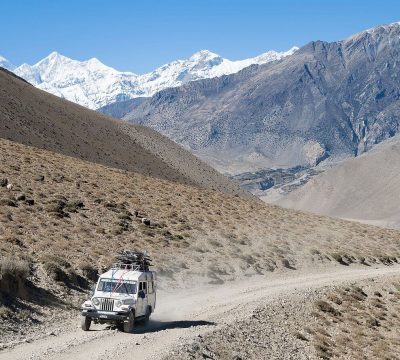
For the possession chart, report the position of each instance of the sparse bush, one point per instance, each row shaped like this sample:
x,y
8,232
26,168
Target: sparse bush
x,y
125,216
286,264
372,322
5,312
337,257
335,299
300,336
74,206
89,271
55,272
215,243
8,202
21,197
48,258
326,307
117,230
14,267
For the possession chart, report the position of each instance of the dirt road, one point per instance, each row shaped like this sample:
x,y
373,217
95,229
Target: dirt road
x,y
182,316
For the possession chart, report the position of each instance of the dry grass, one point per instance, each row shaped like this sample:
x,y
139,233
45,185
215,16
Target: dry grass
x,y
83,212
358,323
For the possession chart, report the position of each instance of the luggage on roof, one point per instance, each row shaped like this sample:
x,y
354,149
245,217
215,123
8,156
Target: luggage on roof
x,y
132,260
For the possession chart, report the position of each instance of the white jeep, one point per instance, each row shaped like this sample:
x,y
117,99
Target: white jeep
x,y
124,294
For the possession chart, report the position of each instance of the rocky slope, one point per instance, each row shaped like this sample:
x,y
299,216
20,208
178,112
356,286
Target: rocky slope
x,y
363,189
93,84
327,100
34,117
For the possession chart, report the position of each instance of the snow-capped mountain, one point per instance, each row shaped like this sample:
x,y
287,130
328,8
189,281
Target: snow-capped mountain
x,y
4,63
201,65
92,84
89,83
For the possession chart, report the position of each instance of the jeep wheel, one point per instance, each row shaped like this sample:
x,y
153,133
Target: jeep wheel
x,y
129,323
147,316
85,323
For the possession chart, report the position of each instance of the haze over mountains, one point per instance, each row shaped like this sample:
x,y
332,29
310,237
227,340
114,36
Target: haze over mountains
x,y
327,100
92,84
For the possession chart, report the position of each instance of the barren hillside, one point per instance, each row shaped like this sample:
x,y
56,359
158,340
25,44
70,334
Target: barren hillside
x,y
34,117
73,215
364,188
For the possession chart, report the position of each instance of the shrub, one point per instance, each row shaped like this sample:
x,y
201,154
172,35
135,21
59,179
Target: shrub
x,y
73,206
117,230
5,312
326,307
17,268
8,202
89,271
47,258
372,322
286,264
300,336
55,272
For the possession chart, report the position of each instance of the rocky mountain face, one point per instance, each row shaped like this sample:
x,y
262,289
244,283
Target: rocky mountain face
x,y
326,101
93,84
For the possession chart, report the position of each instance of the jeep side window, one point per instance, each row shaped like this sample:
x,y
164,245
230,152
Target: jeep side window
x,y
142,286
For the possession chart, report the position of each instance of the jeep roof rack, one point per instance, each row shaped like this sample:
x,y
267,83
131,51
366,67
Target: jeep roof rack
x,y
132,260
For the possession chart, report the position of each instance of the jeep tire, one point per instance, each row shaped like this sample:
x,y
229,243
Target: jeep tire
x,y
85,323
129,323
147,316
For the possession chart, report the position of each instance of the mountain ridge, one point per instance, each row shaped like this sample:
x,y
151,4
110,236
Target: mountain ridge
x,y
327,101
92,84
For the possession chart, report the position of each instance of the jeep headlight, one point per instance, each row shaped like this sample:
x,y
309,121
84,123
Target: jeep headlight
x,y
118,303
87,304
95,301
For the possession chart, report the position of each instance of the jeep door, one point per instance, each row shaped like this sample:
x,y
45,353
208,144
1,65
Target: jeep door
x,y
142,299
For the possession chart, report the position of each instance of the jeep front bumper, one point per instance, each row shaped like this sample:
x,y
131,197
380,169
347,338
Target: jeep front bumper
x,y
105,315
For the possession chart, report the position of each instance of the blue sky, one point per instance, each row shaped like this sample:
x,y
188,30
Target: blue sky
x,y
141,35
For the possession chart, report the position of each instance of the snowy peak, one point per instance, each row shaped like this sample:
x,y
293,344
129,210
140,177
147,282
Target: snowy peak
x,y
92,84
203,55
373,33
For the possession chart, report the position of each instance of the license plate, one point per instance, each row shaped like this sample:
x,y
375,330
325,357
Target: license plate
x,y
103,316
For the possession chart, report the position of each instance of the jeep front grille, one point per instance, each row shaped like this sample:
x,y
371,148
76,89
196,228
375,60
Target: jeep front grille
x,y
106,304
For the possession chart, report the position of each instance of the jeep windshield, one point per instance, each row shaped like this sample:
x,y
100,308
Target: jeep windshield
x,y
117,286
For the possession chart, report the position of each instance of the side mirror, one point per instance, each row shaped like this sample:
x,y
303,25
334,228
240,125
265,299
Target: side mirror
x,y
92,290
141,294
